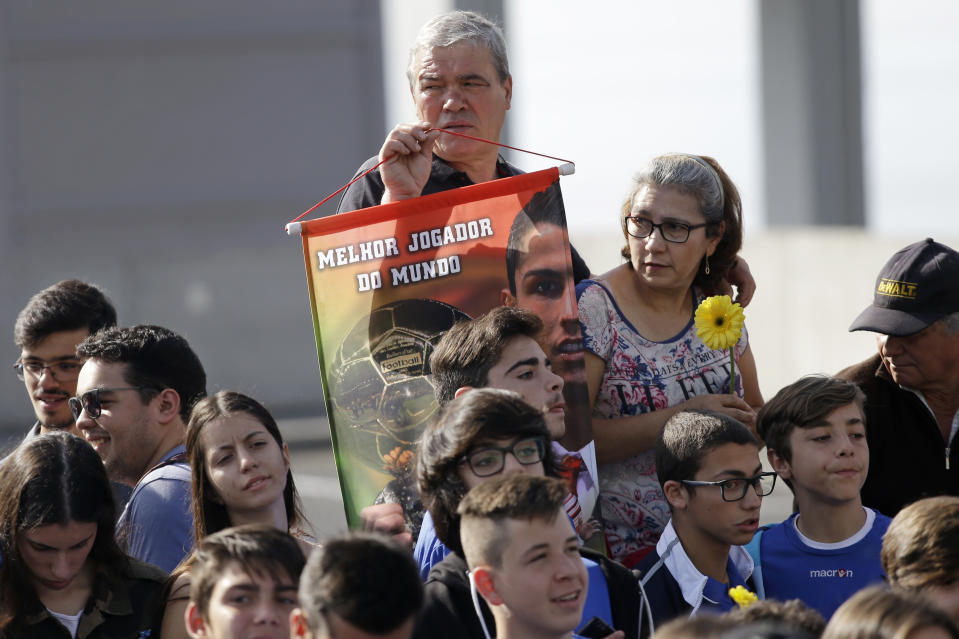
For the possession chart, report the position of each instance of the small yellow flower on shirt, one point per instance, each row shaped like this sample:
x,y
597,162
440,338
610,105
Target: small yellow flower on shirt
x,y
742,596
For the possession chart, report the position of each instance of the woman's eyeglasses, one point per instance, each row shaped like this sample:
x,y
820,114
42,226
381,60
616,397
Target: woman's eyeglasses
x,y
676,232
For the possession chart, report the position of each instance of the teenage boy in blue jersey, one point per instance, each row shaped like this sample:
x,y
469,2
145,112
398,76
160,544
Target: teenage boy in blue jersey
x,y
815,436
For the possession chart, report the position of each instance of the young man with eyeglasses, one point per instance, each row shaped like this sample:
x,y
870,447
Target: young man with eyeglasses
x,y
135,393
815,435
47,332
708,466
480,435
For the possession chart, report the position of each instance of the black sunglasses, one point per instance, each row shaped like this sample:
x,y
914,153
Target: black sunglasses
x,y
89,402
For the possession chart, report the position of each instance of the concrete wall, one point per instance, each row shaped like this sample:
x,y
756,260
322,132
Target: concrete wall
x,y
158,149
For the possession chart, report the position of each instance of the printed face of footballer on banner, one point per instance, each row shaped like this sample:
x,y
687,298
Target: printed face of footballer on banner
x,y
388,281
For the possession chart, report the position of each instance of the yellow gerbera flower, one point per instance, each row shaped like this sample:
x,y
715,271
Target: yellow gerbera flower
x,y
719,322
742,596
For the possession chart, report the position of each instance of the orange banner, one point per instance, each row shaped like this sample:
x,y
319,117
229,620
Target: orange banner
x,y
387,281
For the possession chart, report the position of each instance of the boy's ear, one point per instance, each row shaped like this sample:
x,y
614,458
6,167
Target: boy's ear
x,y
778,463
506,298
194,622
676,494
486,585
462,389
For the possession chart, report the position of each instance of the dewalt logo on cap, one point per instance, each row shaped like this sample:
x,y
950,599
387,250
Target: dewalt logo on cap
x,y
896,288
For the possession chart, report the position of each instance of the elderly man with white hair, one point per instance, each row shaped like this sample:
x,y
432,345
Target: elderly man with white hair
x,y
912,383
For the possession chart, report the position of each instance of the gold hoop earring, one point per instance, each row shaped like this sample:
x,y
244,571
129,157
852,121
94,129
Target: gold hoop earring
x,y
707,265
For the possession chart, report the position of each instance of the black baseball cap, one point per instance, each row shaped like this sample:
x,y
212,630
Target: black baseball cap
x,y
916,287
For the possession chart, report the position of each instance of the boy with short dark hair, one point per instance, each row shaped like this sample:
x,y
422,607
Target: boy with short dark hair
x,y
244,583
499,350
358,586
524,556
708,465
815,435
920,551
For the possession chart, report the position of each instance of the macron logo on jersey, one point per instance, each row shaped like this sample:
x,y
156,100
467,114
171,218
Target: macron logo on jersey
x,y
841,573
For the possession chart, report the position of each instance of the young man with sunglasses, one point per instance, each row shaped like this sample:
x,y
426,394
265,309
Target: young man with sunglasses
x,y
47,332
708,466
135,393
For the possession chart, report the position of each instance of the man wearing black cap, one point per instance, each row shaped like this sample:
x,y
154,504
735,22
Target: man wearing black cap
x,y
912,383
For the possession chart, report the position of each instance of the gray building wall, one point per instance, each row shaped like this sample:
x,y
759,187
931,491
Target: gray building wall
x,y
811,87
158,149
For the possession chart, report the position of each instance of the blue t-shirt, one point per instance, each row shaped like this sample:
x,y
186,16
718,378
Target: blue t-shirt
x,y
429,550
821,575
157,524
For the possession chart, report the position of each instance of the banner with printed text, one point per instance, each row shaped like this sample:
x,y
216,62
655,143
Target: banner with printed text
x,y
385,284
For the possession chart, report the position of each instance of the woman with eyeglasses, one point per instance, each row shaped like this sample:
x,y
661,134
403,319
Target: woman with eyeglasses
x,y
241,475
682,222
62,573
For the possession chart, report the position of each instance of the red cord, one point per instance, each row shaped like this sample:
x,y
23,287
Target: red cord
x,y
385,160
505,146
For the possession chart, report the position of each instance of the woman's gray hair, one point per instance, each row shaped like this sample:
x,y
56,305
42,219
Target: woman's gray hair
x,y
453,27
691,175
700,177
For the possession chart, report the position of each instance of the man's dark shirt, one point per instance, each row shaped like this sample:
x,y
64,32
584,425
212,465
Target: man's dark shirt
x,y
443,177
908,457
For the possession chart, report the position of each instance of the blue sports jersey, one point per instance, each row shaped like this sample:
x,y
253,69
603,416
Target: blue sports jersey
x,y
822,578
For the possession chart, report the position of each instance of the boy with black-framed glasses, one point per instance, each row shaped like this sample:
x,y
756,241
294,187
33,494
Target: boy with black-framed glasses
x,y
815,435
708,466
